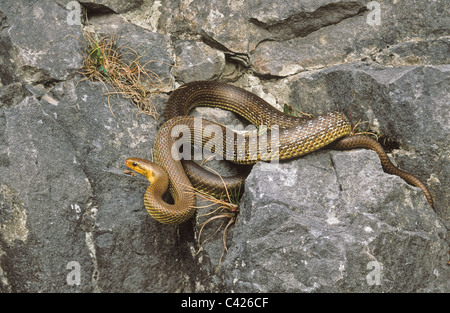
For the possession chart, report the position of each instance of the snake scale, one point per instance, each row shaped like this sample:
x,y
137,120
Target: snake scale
x,y
296,136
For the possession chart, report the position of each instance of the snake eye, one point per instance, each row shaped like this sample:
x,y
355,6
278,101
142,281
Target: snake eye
x,y
134,164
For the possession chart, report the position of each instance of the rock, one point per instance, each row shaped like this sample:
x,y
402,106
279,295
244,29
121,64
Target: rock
x,y
352,37
116,6
402,102
197,61
11,94
153,50
329,234
48,186
72,198
64,203
206,19
72,221
7,66
43,53
428,51
286,21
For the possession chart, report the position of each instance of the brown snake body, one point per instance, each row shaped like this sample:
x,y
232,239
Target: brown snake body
x,y
296,137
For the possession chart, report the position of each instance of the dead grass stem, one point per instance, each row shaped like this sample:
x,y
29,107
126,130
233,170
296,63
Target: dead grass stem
x,y
106,61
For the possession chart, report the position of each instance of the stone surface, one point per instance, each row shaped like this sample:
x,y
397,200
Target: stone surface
x,y
197,61
136,42
111,5
406,103
323,222
321,234
354,38
49,41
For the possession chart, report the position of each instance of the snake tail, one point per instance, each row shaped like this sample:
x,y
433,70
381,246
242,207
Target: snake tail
x,y
366,142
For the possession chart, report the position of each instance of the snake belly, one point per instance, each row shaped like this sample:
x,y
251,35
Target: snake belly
x,y
296,136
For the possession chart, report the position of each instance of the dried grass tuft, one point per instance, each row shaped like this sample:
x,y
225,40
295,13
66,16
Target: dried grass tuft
x,y
106,61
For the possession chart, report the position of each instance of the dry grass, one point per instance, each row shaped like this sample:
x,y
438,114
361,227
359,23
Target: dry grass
x,y
356,130
105,61
225,211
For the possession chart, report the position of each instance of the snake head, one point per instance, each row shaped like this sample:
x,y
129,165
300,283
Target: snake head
x,y
150,170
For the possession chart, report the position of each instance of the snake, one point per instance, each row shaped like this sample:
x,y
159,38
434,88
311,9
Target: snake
x,y
296,136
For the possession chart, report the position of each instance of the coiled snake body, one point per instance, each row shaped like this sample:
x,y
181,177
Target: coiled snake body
x,y
296,137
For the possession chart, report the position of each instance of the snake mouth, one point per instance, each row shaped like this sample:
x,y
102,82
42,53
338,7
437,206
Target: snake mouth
x,y
140,166
148,169
130,163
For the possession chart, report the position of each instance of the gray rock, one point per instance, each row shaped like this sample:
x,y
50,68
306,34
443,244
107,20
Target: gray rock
x,y
153,50
197,61
354,37
286,21
428,51
327,234
11,94
66,205
73,202
49,187
7,66
284,38
405,103
46,51
224,25
116,6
